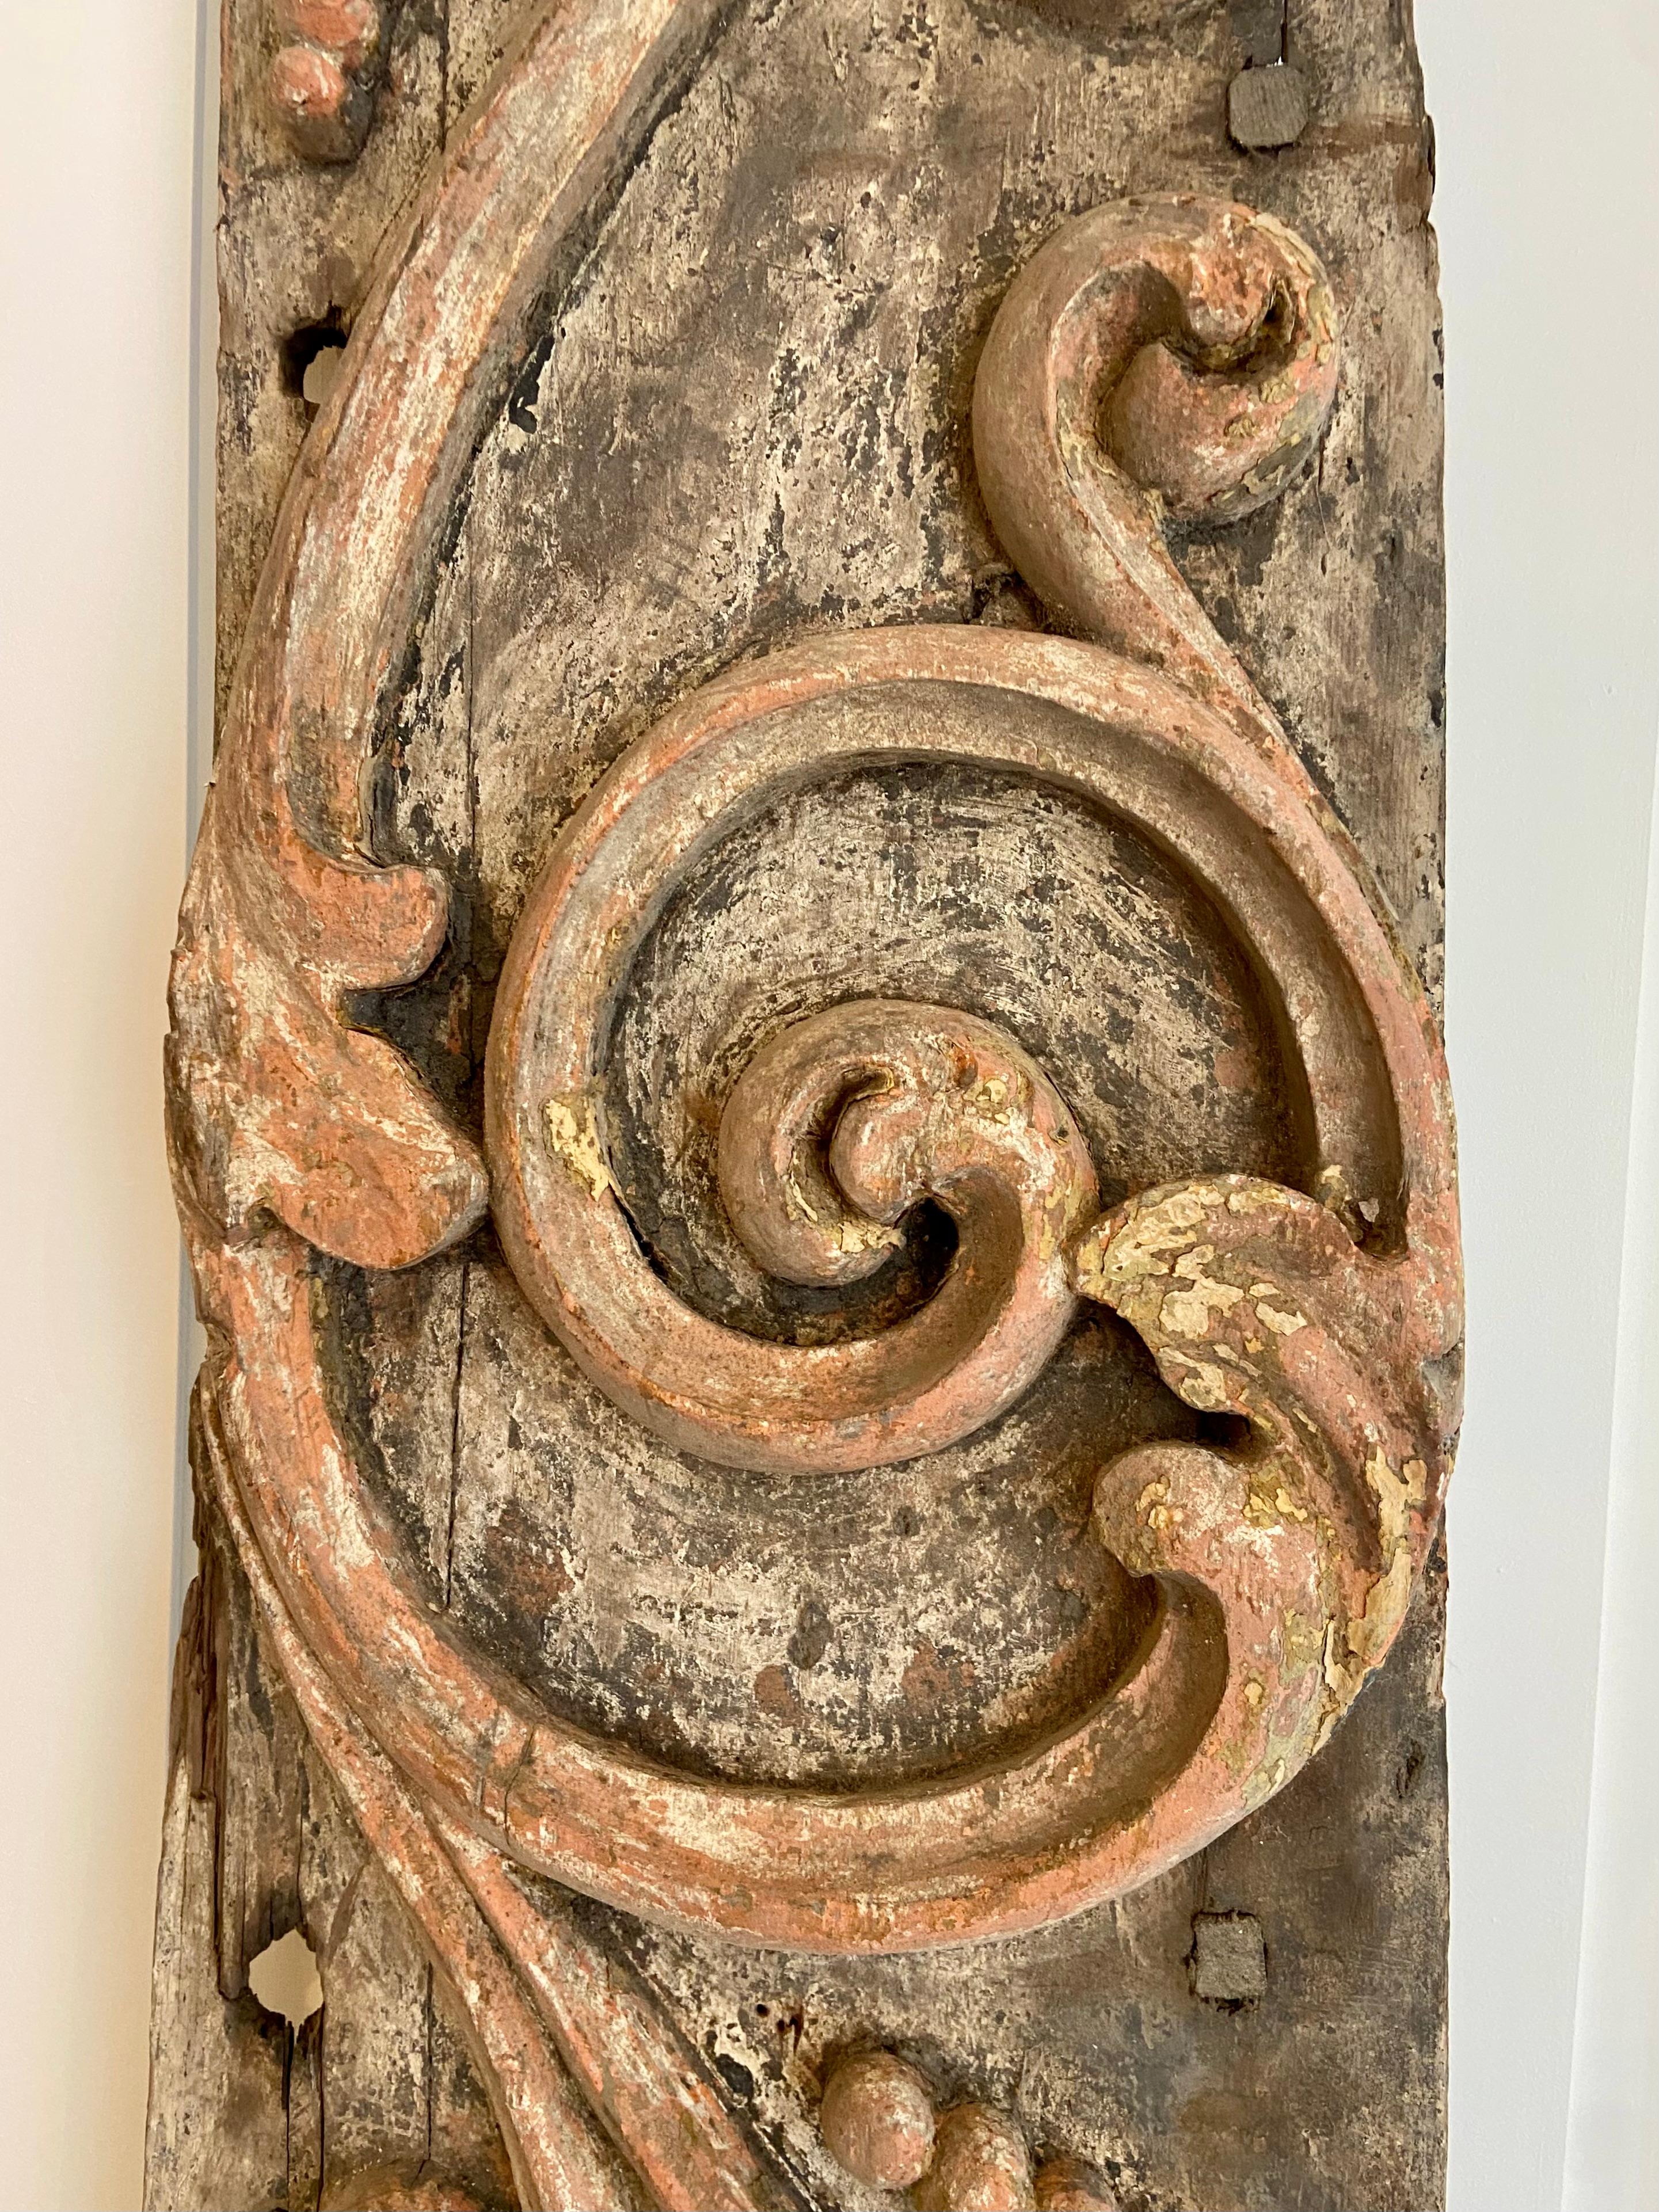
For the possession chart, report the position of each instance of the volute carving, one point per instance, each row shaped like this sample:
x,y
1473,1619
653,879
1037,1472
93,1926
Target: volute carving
x,y
1157,358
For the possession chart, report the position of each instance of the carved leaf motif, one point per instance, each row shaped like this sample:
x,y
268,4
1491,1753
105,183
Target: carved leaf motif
x,y
277,1107
275,1103
1156,357
1255,1302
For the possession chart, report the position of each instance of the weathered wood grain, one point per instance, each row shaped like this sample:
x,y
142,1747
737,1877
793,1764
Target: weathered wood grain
x,y
747,421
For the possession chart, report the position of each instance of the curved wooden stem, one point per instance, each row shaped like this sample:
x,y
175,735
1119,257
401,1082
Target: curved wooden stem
x,y
1172,357
1158,356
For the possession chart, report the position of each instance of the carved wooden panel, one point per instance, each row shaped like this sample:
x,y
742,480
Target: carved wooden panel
x,y
805,1091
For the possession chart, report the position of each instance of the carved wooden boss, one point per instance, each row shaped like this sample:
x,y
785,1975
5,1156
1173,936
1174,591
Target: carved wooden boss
x,y
910,1391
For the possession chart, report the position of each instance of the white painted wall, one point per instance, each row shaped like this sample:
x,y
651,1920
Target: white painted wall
x,y
95,223
1548,214
1548,211
1613,2115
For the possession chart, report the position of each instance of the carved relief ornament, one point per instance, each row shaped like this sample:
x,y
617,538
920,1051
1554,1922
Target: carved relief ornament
x,y
1157,358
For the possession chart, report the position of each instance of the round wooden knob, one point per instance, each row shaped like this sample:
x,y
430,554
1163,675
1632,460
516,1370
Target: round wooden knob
x,y
349,29
980,2164
309,87
877,2119
1067,2184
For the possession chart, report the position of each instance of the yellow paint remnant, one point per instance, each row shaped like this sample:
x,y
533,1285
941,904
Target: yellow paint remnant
x,y
1154,1507
1187,1313
855,1232
1254,1692
1204,1384
1255,1198
1107,1268
1334,1189
795,1199
573,1138
1367,1638
990,1100
1270,1504
1396,1494
1300,1641
1282,1324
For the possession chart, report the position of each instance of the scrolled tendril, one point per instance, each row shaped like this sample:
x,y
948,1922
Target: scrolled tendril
x,y
1161,357
837,1127
1157,359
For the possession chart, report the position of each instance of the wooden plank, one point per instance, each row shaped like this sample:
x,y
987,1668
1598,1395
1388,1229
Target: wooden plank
x,y
744,422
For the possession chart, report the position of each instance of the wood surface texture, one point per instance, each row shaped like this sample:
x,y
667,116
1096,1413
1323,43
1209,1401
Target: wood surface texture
x,y
806,1098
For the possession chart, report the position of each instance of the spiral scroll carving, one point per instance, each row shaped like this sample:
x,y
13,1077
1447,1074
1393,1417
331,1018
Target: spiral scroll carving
x,y
836,1129
1156,357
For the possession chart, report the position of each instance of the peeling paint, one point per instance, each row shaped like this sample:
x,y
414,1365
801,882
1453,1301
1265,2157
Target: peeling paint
x,y
573,1140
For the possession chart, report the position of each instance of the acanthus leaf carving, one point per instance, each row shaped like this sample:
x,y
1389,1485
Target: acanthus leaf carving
x,y
1256,1303
278,1104
1168,356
